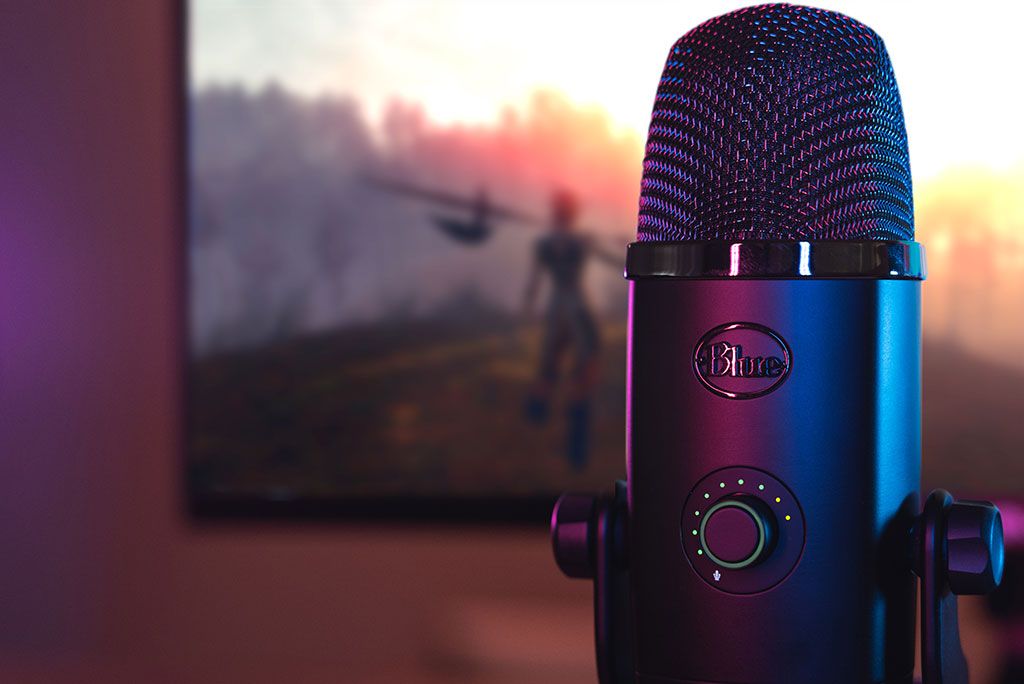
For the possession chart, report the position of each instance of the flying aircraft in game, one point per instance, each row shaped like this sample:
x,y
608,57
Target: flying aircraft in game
x,y
473,218
477,215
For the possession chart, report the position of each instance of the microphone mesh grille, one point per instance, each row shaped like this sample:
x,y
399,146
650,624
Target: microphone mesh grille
x,y
777,122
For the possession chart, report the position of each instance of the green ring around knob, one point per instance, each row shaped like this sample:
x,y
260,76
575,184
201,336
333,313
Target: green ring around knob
x,y
761,536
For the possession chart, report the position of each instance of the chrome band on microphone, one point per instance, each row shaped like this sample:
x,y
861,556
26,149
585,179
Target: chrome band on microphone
x,y
760,259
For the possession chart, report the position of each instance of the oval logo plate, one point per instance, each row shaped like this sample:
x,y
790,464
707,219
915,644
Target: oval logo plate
x,y
742,360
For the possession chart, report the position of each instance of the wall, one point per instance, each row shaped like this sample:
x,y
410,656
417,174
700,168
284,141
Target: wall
x,y
102,578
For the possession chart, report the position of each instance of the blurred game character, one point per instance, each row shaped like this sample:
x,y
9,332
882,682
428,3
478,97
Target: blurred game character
x,y
560,256
569,326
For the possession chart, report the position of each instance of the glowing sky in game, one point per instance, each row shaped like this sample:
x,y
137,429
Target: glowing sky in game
x,y
464,61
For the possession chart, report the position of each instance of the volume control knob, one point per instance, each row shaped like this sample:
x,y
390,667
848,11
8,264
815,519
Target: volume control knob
x,y
738,531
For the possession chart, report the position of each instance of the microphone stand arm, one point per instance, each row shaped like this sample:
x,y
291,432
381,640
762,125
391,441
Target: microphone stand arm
x,y
589,538
957,549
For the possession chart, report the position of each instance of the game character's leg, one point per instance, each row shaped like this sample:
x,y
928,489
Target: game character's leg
x,y
538,403
578,434
584,383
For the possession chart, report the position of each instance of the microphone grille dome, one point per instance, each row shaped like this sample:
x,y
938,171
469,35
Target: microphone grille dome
x,y
777,122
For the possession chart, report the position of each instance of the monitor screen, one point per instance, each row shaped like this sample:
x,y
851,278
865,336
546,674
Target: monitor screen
x,y
406,233
404,279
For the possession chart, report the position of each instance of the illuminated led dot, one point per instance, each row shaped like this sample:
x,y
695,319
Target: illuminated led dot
x,y
699,552
778,500
696,512
695,531
722,485
761,487
740,481
788,517
706,495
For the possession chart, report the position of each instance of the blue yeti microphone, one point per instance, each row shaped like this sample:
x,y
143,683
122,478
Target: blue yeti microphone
x,y
770,529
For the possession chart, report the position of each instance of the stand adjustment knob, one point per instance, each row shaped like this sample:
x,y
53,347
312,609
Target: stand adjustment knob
x,y
974,548
572,534
958,550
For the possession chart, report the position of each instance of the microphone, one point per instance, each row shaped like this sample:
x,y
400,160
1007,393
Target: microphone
x,y
769,531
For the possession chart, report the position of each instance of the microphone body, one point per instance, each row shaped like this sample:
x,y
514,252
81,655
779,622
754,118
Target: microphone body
x,y
774,362
769,532
836,448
